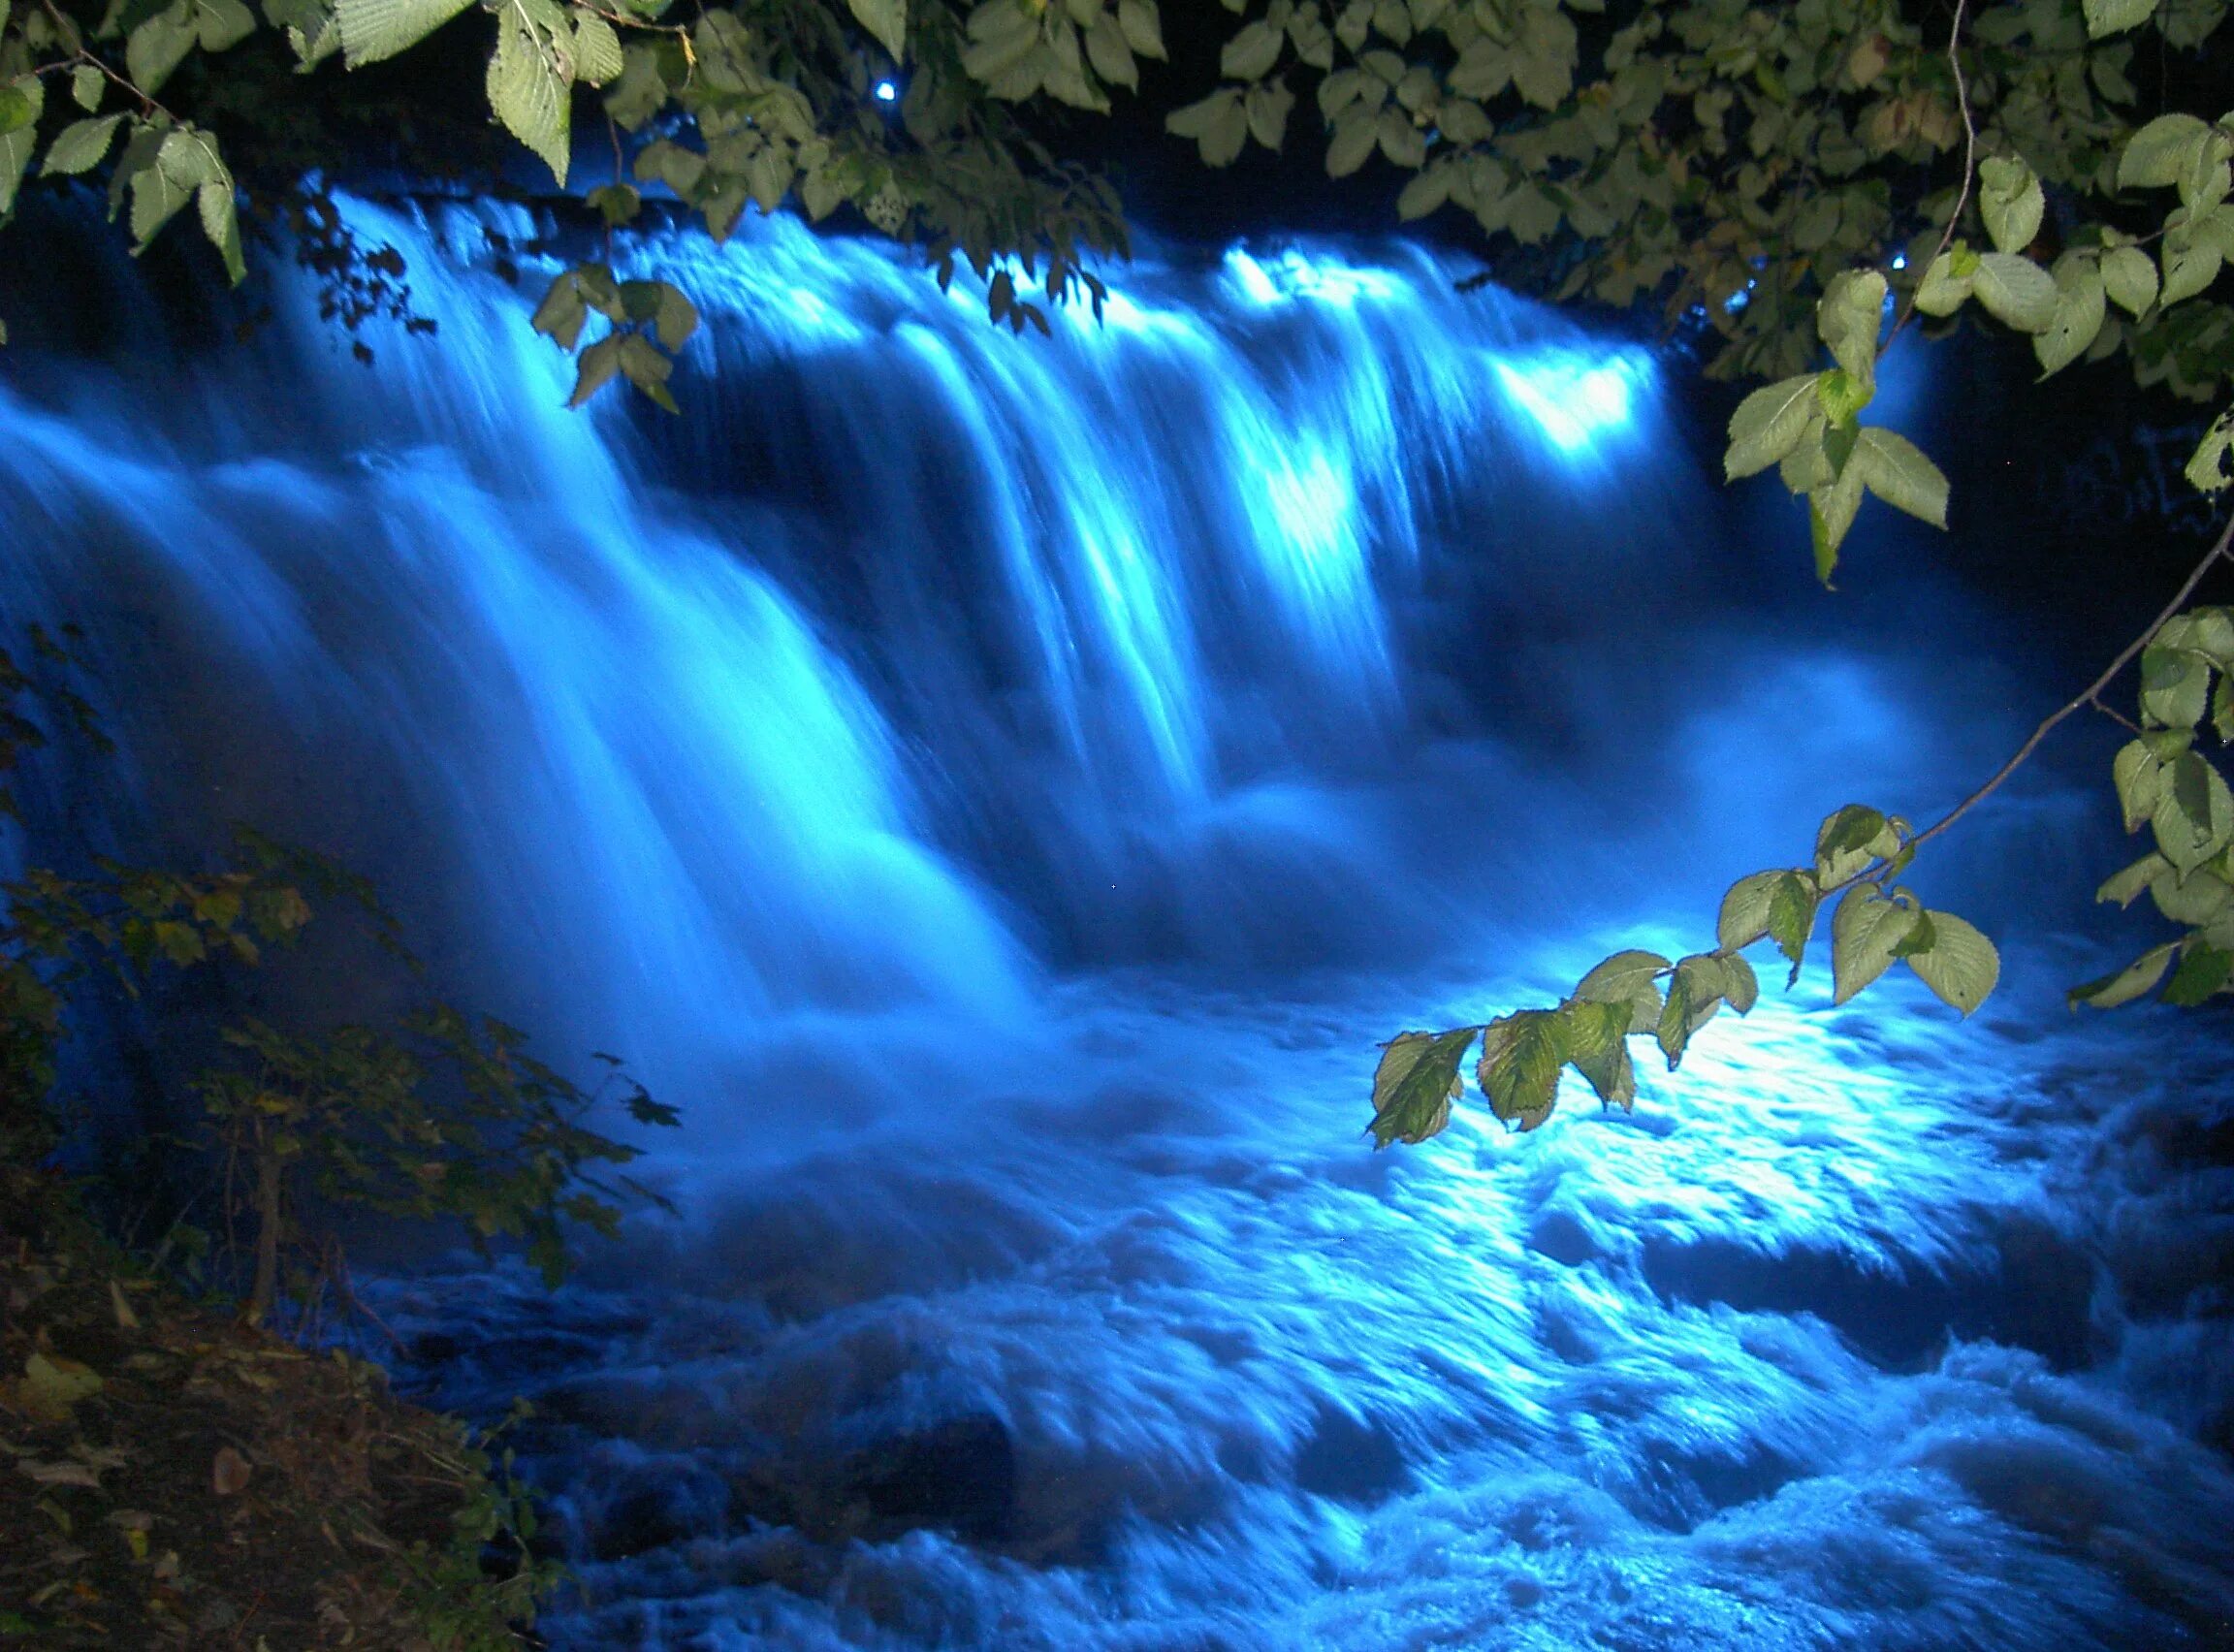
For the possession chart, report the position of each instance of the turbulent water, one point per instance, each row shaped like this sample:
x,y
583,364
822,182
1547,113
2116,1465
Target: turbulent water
x,y
1001,789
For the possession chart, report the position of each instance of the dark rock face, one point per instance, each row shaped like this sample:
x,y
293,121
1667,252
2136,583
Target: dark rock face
x,y
957,1476
1355,1461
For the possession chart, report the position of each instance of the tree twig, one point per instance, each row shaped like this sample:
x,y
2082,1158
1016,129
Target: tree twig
x,y
1970,167
2088,696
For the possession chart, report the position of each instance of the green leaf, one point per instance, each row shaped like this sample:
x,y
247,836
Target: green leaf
x,y
1829,513
1768,425
1612,1074
1144,29
526,89
221,223
2203,970
2114,16
158,46
595,369
374,29
2123,986
1792,917
1895,470
1848,319
2124,886
1866,933
2191,264
2129,277
1415,1084
1745,915
597,57
2155,155
2079,313
1627,977
2210,467
1251,52
1522,1055
2014,291
1355,133
1740,987
2010,201
887,20
1961,964
1110,54
81,146
1266,107
2139,778
1694,997
17,112
222,25
1849,839
2197,899
87,86
1942,291
2175,685
2194,819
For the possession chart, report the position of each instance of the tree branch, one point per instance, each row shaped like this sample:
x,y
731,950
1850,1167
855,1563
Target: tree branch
x,y
1970,167
2088,696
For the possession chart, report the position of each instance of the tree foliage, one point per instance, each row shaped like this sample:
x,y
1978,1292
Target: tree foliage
x,y
443,1119
1811,178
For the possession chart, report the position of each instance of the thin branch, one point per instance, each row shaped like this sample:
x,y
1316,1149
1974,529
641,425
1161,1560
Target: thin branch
x,y
1970,167
2088,696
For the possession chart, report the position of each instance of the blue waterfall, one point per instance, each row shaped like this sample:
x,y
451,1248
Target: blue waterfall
x,y
1001,788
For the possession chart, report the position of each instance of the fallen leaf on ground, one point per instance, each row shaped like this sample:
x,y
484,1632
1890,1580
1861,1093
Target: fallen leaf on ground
x,y
229,1473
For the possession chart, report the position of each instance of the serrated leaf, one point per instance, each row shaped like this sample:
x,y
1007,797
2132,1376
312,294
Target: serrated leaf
x,y
2194,819
1769,424
376,29
1866,931
2203,970
1143,28
1848,319
2124,886
1961,964
2175,685
1807,466
1849,839
2209,468
2129,278
526,90
1415,1084
1694,997
1251,52
81,146
2196,899
1611,1073
2123,986
158,46
2190,265
87,86
1744,918
2010,201
1831,513
596,368
2155,155
2114,16
221,223
1896,470
2139,778
1792,917
1522,1055
2014,291
1942,291
887,20
2079,313
1740,987
1627,977
597,56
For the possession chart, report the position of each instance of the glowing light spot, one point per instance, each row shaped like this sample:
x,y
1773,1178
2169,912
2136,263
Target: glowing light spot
x,y
1574,401
1900,261
886,91
1294,276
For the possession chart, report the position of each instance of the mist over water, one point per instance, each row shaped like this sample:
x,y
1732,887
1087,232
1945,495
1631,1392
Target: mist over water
x,y
1003,789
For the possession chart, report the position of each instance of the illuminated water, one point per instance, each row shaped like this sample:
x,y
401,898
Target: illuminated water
x,y
1003,789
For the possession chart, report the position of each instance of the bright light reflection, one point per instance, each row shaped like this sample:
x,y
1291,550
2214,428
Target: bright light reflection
x,y
1576,401
1293,276
886,91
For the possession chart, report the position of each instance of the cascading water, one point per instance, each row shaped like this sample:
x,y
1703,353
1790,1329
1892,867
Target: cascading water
x,y
1001,787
